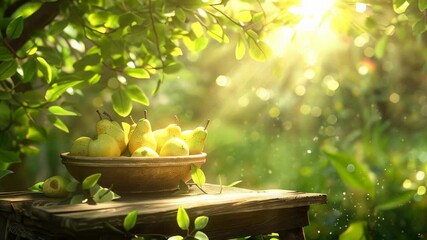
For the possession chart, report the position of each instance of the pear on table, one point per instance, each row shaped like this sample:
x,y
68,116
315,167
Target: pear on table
x,y
142,136
195,139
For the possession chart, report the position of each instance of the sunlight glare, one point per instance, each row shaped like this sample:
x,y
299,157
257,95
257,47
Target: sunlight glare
x,y
313,13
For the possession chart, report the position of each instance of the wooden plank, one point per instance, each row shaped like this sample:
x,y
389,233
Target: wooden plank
x,y
235,210
83,217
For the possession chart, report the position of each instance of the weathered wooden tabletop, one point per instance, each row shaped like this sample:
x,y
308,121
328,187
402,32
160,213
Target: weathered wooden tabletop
x,y
235,212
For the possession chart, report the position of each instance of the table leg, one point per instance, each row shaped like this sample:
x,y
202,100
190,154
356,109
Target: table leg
x,y
292,234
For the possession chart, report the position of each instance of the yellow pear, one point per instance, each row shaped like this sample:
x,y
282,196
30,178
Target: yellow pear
x,y
80,146
145,152
196,138
142,136
112,128
174,147
164,134
104,146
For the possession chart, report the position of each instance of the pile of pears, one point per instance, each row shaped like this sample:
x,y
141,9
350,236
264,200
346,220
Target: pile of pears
x,y
139,140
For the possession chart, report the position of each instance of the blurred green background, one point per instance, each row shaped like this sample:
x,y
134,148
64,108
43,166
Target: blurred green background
x,y
335,110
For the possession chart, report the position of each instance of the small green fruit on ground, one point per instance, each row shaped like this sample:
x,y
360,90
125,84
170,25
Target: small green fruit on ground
x,y
55,186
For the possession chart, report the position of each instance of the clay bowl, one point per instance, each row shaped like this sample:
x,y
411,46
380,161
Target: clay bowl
x,y
134,174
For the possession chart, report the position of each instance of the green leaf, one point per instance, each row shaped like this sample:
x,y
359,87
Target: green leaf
x,y
58,123
180,15
97,18
38,187
201,222
422,5
122,104
244,16
356,231
259,50
90,181
352,172
234,183
4,173
58,27
177,237
5,115
380,47
197,175
5,54
9,156
419,27
103,195
29,68
77,199
7,69
216,32
182,218
396,202
197,29
140,73
57,90
136,94
15,28
45,68
130,220
57,110
72,186
199,235
240,49
400,6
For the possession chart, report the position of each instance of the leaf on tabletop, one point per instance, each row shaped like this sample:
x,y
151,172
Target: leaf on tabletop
x,y
38,187
90,181
77,199
197,175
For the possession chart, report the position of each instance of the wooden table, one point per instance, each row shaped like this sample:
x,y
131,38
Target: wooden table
x,y
235,212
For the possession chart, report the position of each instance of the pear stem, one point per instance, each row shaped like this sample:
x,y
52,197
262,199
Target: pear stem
x,y
145,114
207,124
131,118
108,115
99,114
177,120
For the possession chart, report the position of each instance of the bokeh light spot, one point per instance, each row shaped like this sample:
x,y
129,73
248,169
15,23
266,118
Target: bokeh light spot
x,y
274,112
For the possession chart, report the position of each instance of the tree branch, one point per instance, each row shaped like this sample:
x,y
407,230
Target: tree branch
x,y
37,21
